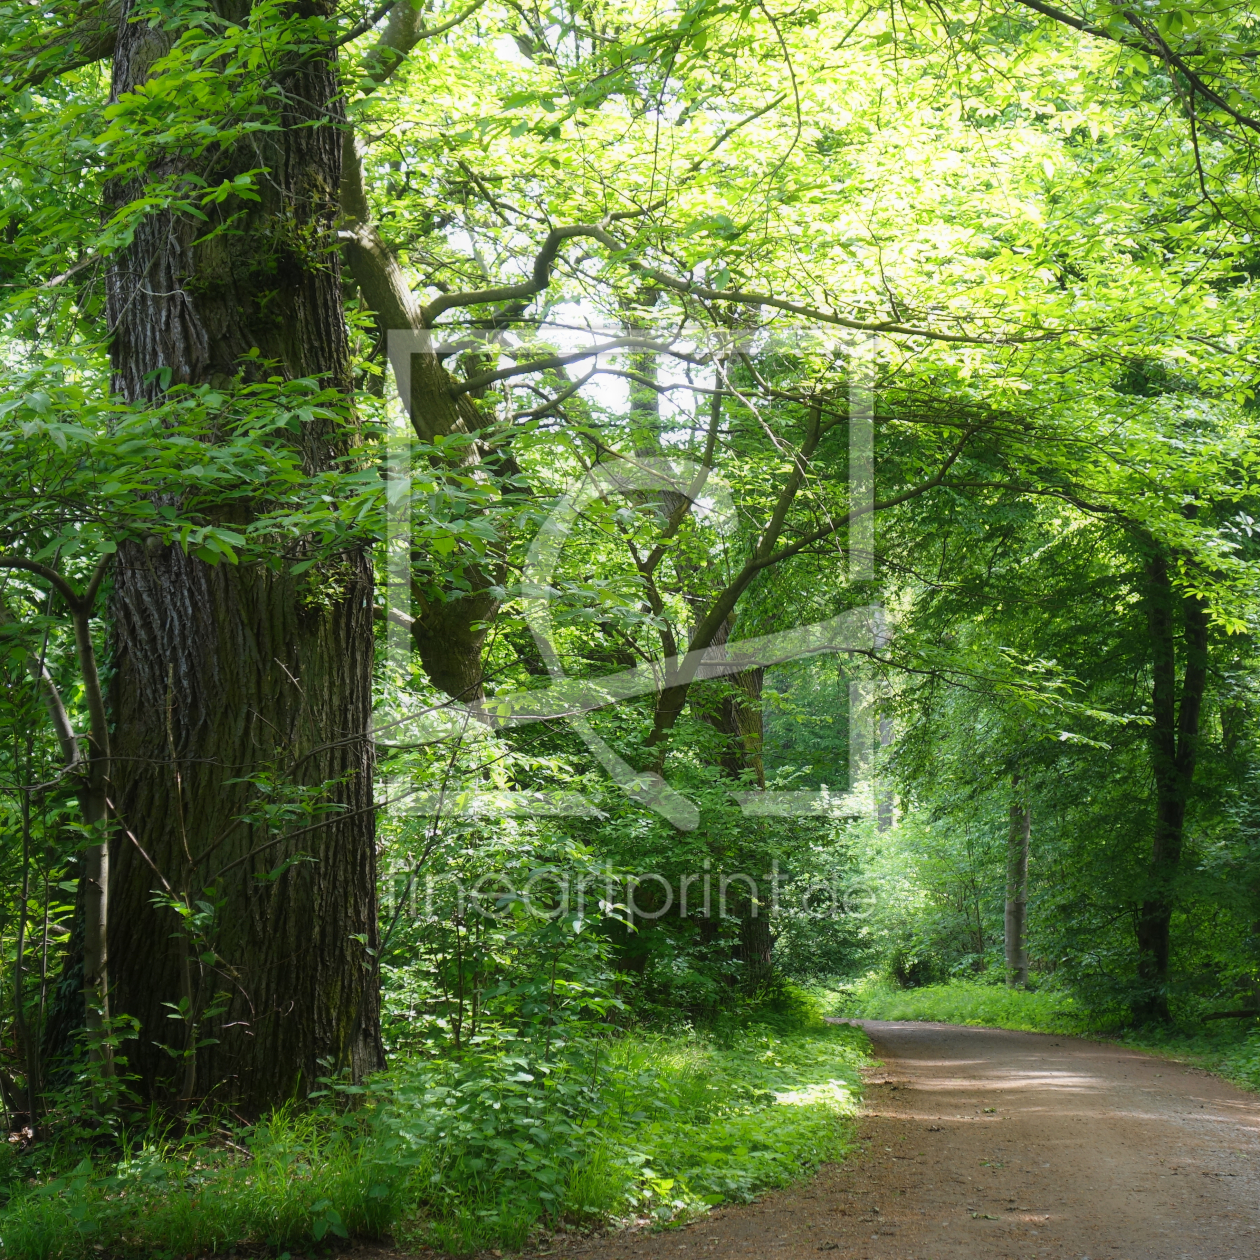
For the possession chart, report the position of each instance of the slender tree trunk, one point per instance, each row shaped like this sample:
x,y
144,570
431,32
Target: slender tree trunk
x,y
883,794
96,864
1174,737
732,706
745,720
93,800
26,1042
1017,890
244,946
69,746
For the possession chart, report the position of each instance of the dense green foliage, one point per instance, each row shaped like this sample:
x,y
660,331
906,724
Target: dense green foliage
x,y
480,1150
929,334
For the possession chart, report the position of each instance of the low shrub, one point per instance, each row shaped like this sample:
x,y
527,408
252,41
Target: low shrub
x,y
967,1002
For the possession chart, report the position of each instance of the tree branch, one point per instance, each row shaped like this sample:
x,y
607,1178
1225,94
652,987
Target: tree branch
x,y
546,256
405,30
785,553
90,38
657,553
674,696
51,576
362,28
1149,41
537,282
552,403
371,262
482,379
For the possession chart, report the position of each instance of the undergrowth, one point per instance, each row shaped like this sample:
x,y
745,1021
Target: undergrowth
x,y
966,1002
461,1152
1230,1048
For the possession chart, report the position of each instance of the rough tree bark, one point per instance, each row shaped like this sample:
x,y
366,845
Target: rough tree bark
x,y
1174,738
756,948
225,674
1017,890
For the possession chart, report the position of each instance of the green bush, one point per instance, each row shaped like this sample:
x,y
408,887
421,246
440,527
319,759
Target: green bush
x,y
477,1150
966,1002
649,1125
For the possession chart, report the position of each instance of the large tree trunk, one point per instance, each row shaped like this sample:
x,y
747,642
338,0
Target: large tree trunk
x,y
225,677
1174,736
1017,891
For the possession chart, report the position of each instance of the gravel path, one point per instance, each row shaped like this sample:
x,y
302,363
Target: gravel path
x,y
983,1144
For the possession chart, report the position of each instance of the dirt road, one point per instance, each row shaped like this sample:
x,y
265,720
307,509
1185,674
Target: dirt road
x,y
982,1144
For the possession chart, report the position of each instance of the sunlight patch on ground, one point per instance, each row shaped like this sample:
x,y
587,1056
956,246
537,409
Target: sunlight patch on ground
x,y
834,1092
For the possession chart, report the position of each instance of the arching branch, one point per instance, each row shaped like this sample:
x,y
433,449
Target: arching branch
x,y
544,260
482,379
88,37
1146,39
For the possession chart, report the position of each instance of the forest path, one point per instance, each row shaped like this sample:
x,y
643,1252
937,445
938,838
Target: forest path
x,y
985,1144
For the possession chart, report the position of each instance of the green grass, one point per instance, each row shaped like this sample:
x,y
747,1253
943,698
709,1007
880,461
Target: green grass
x,y
306,1178
1229,1048
967,1002
477,1151
727,1123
